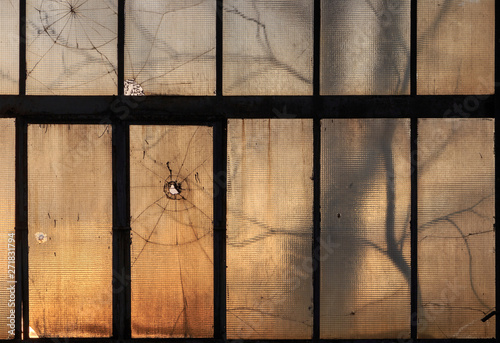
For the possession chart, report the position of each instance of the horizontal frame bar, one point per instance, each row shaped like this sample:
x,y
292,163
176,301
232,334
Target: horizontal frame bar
x,y
186,109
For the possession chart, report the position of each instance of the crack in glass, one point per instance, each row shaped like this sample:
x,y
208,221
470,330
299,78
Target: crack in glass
x,y
71,47
170,46
457,234
172,231
267,47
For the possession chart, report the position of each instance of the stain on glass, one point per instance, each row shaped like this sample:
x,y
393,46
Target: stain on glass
x,y
70,230
9,41
268,47
171,175
71,47
456,236
365,223
170,46
269,229
456,46
365,47
7,223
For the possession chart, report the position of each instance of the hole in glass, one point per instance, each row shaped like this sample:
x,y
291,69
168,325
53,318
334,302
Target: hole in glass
x,y
173,189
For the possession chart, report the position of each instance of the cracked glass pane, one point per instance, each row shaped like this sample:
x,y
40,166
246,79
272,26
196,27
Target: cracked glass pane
x,y
170,46
70,230
456,46
269,229
7,223
268,47
365,228
171,184
9,41
71,47
456,235
365,47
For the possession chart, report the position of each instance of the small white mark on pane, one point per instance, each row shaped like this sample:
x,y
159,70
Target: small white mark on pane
x,y
132,88
41,237
173,190
32,333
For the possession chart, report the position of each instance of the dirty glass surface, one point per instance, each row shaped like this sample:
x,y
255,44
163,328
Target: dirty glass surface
x,y
268,47
9,41
172,231
269,229
70,230
365,47
456,238
365,223
7,223
170,46
456,46
71,47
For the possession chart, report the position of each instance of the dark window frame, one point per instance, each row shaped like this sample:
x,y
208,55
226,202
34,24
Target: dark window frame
x,y
120,112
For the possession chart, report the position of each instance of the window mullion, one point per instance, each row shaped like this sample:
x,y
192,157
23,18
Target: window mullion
x,y
219,193
219,188
316,228
414,287
496,106
413,160
316,171
21,229
121,232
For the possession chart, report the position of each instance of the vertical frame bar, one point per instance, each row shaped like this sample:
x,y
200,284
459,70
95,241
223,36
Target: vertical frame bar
x,y
497,239
496,114
414,288
121,232
316,228
316,170
121,205
219,187
22,305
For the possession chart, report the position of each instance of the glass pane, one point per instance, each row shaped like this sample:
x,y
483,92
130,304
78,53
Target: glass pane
x,y
456,238
70,230
268,47
365,224
365,47
269,229
71,47
9,41
170,46
172,231
456,46
7,223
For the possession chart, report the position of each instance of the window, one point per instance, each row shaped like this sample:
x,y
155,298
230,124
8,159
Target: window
x,y
248,170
